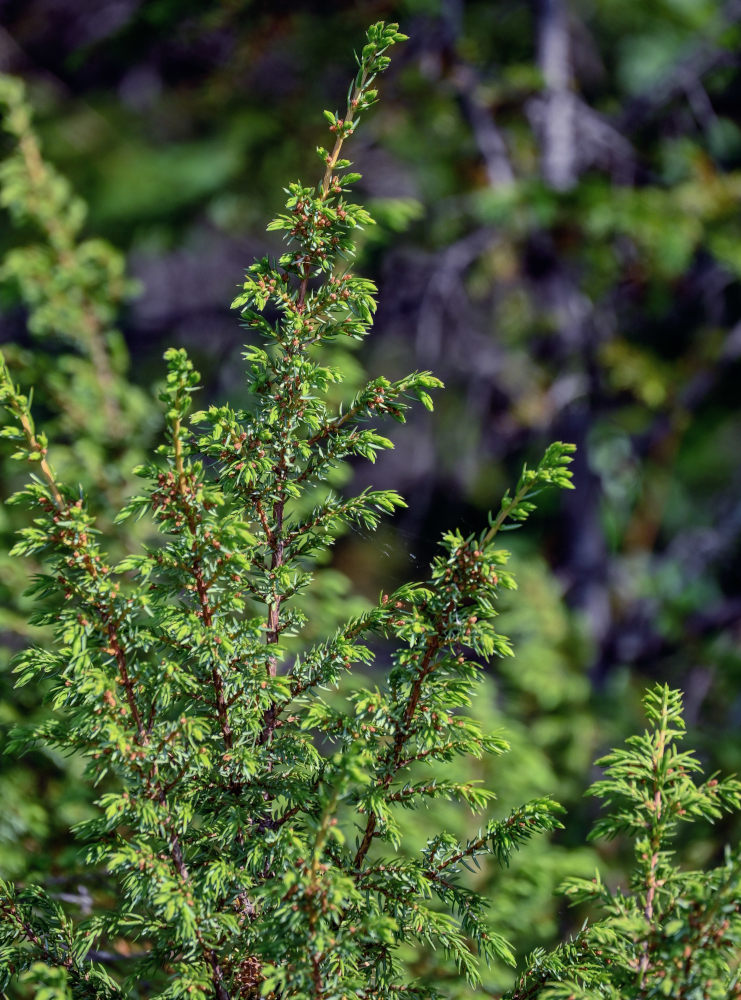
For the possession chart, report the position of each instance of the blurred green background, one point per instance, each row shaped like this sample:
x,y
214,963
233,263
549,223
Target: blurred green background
x,y
557,187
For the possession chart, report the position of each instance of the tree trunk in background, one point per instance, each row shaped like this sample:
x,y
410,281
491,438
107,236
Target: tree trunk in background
x,y
554,60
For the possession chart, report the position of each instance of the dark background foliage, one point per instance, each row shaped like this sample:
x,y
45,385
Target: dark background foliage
x,y
557,188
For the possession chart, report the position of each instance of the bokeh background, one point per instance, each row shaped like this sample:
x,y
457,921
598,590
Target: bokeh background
x,y
557,186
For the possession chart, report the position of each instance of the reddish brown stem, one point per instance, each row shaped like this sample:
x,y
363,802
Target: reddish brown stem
x,y
128,685
400,737
201,587
273,624
651,881
316,976
264,521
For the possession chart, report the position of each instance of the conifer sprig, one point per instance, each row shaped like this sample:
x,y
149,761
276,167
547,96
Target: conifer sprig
x,y
248,832
672,932
73,286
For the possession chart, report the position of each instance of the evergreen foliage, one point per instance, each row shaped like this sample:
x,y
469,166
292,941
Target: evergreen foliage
x,y
230,836
102,425
671,932
250,837
73,287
